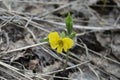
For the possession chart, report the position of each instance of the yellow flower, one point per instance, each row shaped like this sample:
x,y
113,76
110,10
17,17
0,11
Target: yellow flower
x,y
59,43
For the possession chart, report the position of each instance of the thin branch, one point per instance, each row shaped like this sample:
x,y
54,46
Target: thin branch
x,y
98,54
13,71
22,48
67,68
94,72
84,27
59,8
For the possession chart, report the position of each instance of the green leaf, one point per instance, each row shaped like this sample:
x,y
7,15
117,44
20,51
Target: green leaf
x,y
69,24
63,34
72,35
45,40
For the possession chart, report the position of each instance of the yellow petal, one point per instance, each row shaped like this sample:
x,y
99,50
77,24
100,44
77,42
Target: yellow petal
x,y
59,49
53,36
65,47
53,46
53,39
67,43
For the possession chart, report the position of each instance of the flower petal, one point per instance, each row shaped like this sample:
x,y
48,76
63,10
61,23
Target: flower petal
x,y
53,46
68,43
53,39
59,49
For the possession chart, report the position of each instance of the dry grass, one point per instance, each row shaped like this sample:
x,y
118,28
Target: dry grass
x,y
37,23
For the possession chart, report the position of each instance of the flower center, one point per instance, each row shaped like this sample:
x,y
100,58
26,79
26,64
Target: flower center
x,y
60,43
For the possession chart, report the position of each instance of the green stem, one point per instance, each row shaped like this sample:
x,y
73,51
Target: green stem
x,y
104,5
67,59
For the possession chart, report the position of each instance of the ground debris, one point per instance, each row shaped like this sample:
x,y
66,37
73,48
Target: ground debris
x,y
24,23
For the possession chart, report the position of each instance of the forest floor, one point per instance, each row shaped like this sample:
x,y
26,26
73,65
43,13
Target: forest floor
x,y
94,56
